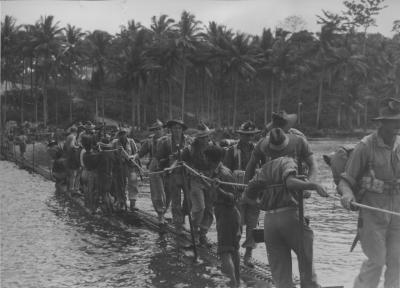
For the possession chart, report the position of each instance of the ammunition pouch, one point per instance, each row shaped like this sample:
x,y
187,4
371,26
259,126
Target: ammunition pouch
x,y
373,185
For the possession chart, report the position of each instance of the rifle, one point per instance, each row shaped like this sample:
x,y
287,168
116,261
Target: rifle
x,y
132,163
186,197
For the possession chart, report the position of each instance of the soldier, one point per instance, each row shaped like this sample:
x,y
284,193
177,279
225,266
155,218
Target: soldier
x,y
22,141
89,183
273,189
227,215
372,176
236,159
88,129
128,149
149,147
297,148
169,150
201,202
72,155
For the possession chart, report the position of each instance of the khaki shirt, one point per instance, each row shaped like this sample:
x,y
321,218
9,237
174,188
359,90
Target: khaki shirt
x,y
149,147
238,155
297,148
385,160
269,184
168,151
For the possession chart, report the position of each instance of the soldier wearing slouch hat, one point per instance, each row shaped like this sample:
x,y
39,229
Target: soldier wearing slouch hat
x,y
372,175
169,148
157,191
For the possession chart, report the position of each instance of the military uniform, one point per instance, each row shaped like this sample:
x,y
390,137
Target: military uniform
x,y
168,151
201,202
281,222
227,214
71,150
379,232
297,148
236,159
130,172
158,197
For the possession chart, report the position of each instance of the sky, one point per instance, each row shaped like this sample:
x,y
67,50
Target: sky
x,y
249,16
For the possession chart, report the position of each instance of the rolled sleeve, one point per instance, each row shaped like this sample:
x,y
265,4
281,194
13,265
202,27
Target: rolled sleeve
x,y
305,150
356,165
289,167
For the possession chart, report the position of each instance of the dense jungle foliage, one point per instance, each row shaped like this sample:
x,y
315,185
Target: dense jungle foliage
x,y
182,68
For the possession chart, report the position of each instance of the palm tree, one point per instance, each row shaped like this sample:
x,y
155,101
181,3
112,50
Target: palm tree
x,y
73,54
324,61
9,32
165,56
188,36
218,39
241,59
264,66
134,64
98,43
28,43
47,38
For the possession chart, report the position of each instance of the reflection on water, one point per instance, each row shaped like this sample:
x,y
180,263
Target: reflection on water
x,y
47,242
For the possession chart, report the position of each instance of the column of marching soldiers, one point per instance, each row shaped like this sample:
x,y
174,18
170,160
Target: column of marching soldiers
x,y
204,178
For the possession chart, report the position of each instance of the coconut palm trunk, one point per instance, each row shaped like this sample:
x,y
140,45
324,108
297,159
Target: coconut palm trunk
x,y
183,90
265,104
22,91
133,107
319,107
70,94
235,95
272,96
45,114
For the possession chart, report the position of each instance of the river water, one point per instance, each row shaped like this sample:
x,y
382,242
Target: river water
x,y
47,242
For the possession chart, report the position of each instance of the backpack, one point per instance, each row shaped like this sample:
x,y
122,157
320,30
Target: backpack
x,y
338,160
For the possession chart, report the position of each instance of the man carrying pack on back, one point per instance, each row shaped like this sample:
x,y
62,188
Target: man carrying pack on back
x,y
297,148
274,189
372,176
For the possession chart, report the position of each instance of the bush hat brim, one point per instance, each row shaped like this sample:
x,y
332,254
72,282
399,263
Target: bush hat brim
x,y
290,121
171,123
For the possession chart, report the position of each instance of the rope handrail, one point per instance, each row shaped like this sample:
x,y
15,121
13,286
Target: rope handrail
x,y
368,207
198,174
222,182
331,196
